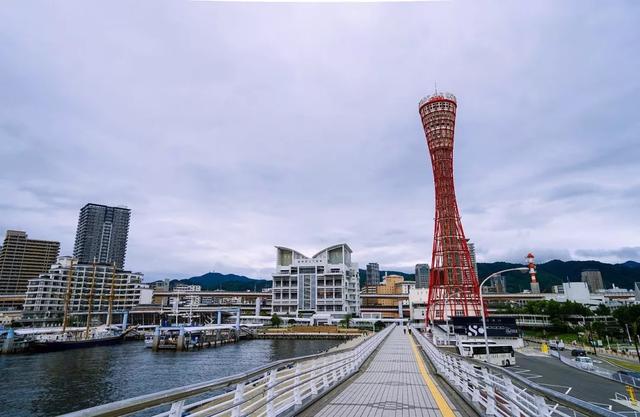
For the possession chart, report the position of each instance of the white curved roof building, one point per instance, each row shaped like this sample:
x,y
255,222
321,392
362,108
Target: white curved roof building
x,y
327,282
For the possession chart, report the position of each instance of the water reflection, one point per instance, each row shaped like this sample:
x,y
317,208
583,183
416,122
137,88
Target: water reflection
x,y
59,382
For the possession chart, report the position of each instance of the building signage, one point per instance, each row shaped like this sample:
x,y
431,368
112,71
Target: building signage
x,y
497,326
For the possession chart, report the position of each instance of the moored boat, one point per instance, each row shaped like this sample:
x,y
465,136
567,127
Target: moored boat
x,y
73,343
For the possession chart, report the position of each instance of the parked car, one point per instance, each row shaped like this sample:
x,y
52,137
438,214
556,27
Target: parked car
x,y
556,345
584,362
578,352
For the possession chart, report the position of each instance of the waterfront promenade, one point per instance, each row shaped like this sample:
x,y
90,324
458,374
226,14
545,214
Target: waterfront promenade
x,y
396,382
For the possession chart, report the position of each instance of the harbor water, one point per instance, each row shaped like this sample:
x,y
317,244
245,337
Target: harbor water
x,y
53,383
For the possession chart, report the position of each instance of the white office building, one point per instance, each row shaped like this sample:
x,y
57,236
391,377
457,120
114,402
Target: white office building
x,y
326,283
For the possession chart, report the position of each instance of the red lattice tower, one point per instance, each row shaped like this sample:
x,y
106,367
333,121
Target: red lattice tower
x,y
453,284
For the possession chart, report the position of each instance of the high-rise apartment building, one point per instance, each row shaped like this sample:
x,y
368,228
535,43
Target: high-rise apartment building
x,y
326,283
593,278
373,274
472,253
99,283
22,259
422,275
499,284
102,234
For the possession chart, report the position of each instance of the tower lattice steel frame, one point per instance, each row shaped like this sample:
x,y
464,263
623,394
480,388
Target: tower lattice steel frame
x,y
453,284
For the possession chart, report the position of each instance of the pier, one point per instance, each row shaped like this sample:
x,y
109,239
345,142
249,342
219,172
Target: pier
x,y
181,338
395,383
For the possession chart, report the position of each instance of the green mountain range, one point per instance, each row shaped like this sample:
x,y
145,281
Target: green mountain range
x,y
550,273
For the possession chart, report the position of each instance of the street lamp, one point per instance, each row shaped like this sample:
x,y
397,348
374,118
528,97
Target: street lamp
x,y
484,320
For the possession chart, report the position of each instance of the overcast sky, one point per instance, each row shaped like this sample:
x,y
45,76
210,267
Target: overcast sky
x,y
231,128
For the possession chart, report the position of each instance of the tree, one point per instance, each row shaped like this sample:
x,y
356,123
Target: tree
x,y
346,321
275,320
630,316
378,325
603,310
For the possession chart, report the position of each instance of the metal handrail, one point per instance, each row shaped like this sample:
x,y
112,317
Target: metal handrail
x,y
497,394
257,379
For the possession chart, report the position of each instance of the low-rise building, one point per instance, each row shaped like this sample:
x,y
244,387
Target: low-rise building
x,y
190,300
390,299
418,305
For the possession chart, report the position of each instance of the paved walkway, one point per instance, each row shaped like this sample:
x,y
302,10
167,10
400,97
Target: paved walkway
x,y
396,383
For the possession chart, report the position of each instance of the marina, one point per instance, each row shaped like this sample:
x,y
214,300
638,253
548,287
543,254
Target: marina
x,y
54,383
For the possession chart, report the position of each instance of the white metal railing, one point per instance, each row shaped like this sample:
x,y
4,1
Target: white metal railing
x,y
273,390
497,395
623,399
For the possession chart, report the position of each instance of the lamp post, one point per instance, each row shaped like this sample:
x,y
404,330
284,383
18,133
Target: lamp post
x,y
484,319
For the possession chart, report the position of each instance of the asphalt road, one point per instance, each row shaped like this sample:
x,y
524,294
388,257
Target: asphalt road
x,y
552,373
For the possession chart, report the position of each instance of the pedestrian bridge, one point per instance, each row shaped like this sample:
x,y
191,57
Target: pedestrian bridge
x,y
390,373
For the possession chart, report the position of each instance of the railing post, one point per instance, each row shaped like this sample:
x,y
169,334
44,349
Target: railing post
x,y
325,379
176,409
312,380
468,370
271,393
491,401
511,396
541,405
296,386
490,392
238,397
459,373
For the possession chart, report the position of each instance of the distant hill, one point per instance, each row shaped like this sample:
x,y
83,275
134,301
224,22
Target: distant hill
x,y
228,282
556,272
550,273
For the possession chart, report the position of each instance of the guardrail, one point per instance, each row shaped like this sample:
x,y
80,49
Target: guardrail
x,y
277,389
596,370
495,394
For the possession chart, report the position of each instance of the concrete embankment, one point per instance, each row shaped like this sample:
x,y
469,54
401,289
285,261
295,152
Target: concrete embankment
x,y
306,336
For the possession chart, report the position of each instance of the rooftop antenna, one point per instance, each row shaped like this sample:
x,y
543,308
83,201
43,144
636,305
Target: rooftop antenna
x,y
435,87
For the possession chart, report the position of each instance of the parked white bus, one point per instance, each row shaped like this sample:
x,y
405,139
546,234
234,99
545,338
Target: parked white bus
x,y
502,355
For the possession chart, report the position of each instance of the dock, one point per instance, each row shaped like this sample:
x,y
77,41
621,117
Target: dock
x,y
183,338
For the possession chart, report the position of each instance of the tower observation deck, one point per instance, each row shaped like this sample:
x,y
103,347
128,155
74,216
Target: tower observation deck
x,y
453,284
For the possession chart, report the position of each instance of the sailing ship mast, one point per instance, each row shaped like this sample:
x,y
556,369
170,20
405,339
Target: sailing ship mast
x,y
111,295
67,298
90,306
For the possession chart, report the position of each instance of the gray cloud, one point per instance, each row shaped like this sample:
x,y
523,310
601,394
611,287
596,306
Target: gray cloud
x,y
229,128
614,255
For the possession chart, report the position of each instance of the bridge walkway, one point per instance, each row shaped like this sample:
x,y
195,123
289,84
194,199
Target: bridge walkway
x,y
395,383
